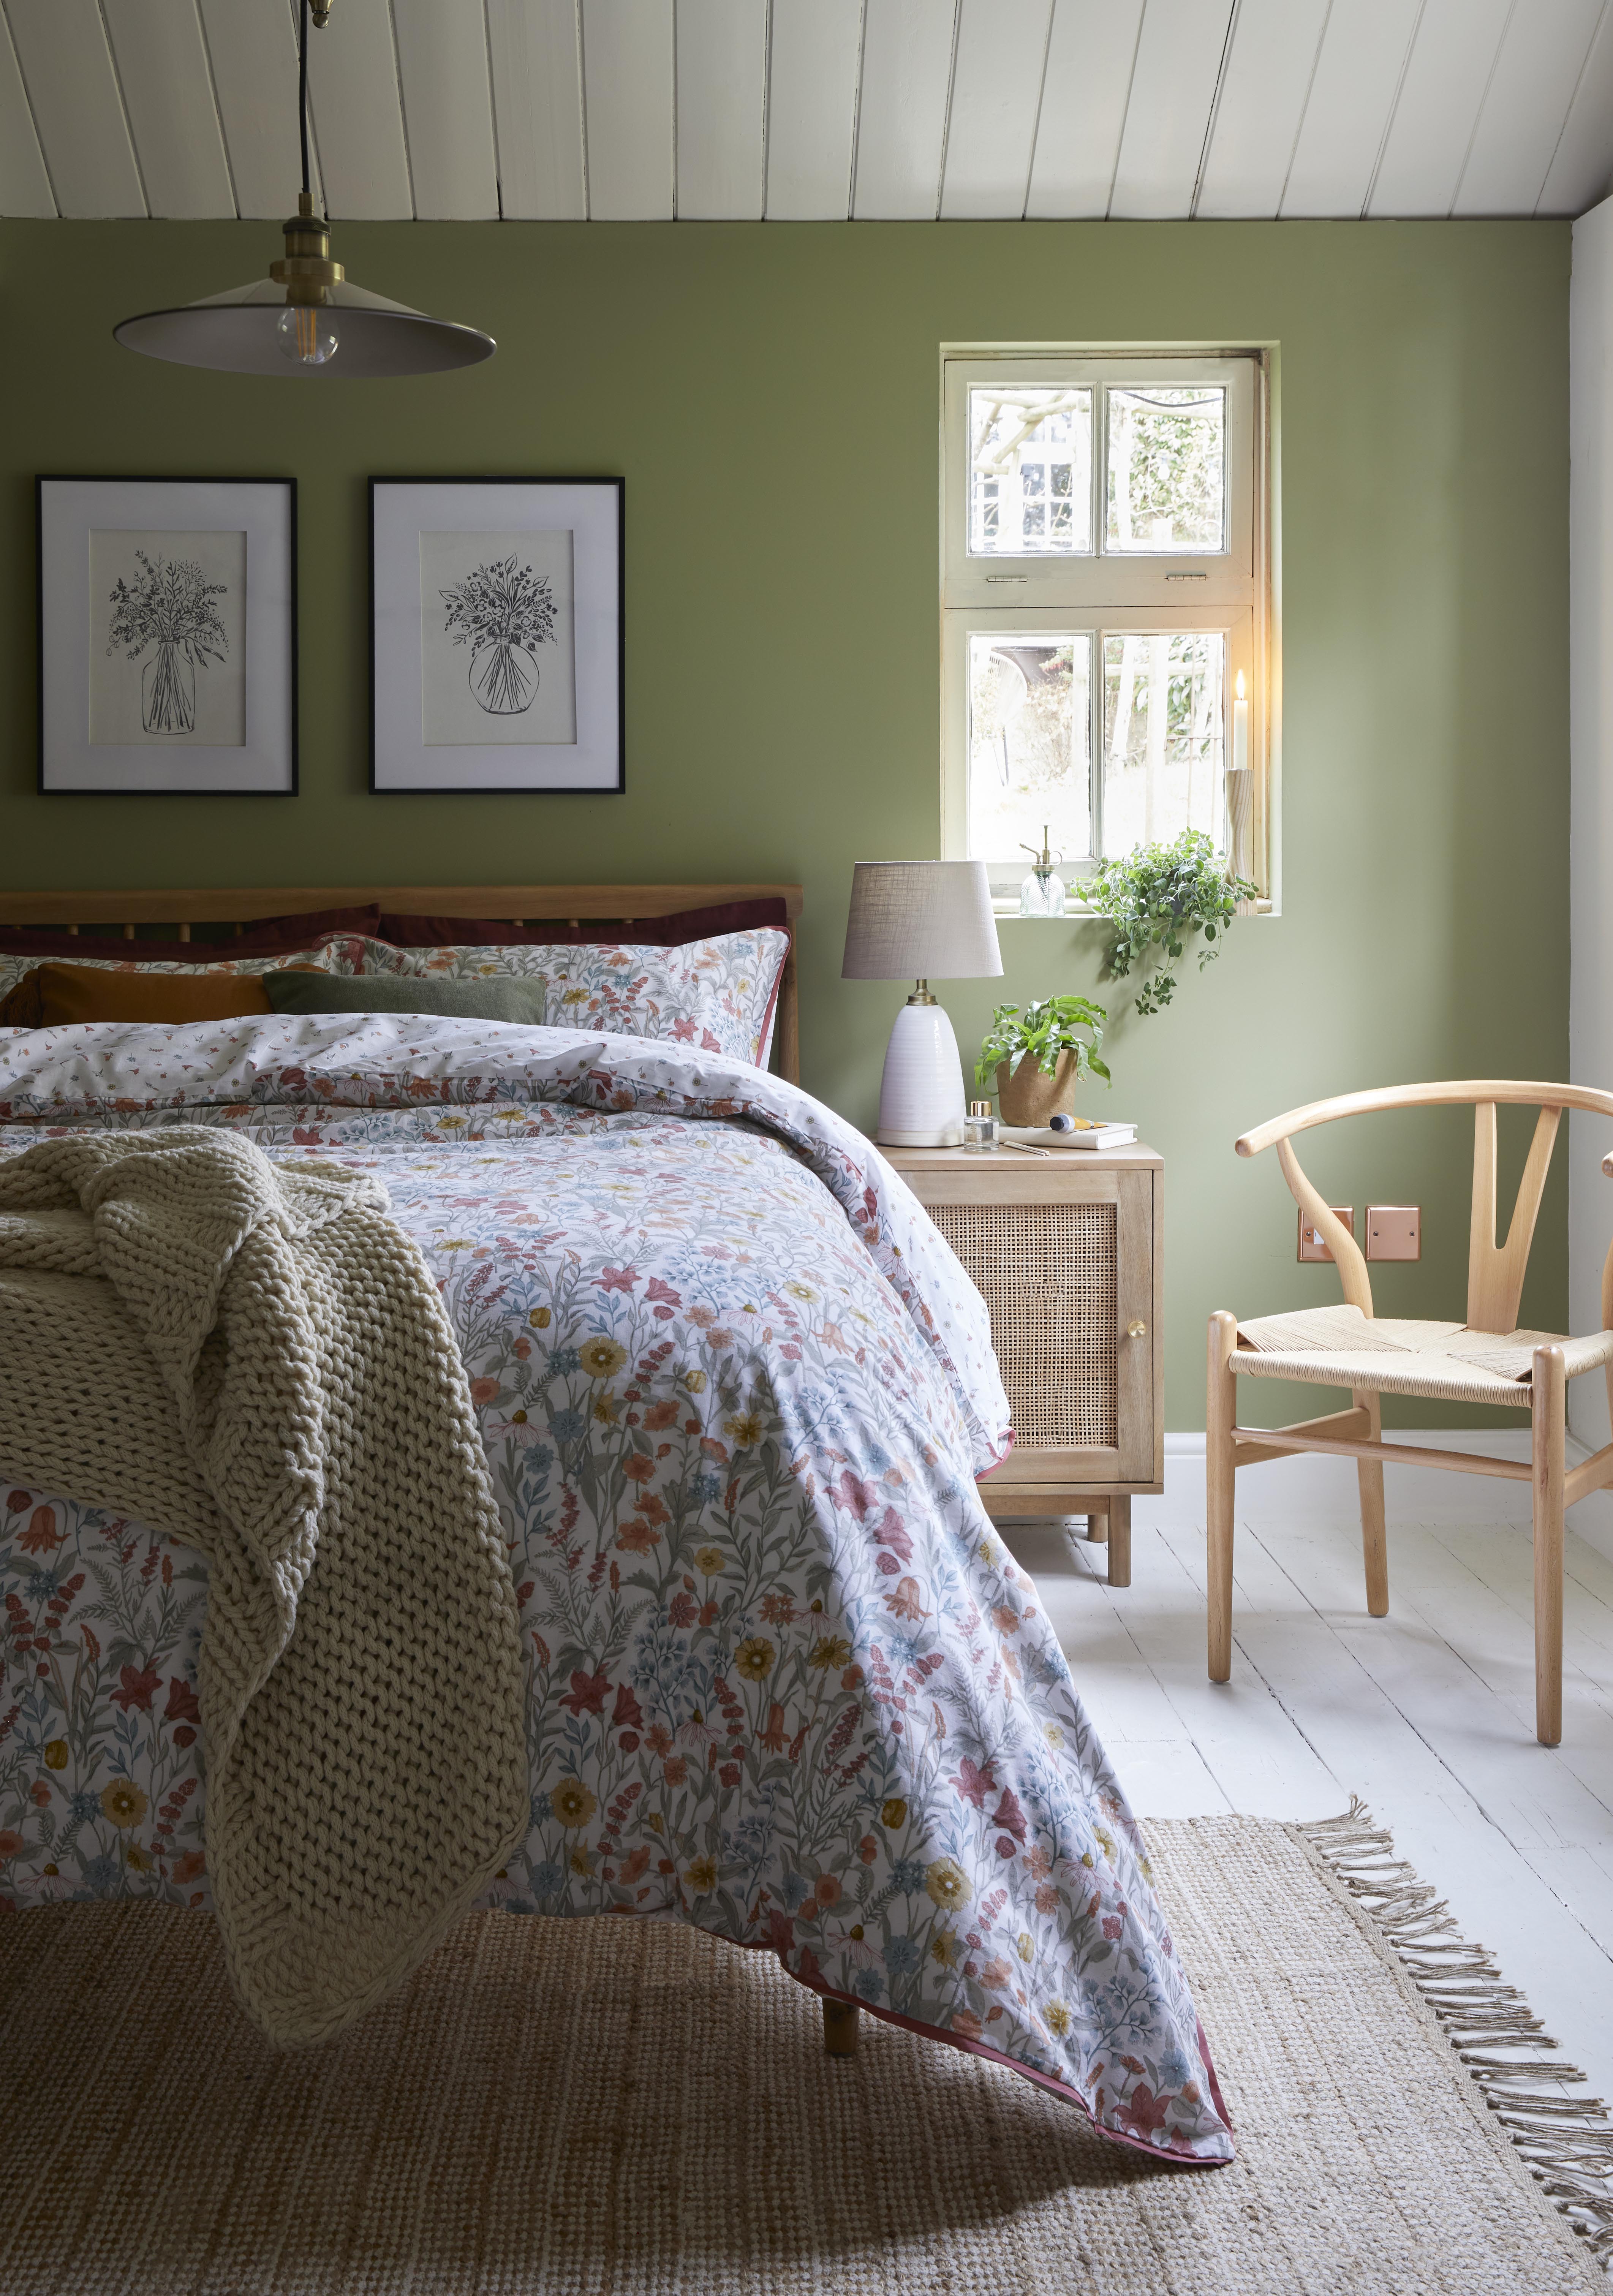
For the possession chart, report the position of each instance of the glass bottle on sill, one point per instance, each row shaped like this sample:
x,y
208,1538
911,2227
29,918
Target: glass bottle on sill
x,y
1042,895
979,1128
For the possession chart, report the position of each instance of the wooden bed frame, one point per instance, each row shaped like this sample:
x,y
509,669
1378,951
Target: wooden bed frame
x,y
239,905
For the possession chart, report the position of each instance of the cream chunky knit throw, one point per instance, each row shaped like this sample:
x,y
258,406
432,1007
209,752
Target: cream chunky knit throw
x,y
255,1361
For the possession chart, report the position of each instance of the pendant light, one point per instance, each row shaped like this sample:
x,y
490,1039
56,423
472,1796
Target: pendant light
x,y
306,318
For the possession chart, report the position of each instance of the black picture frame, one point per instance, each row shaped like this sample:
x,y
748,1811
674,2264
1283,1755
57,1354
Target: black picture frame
x,y
403,762
266,762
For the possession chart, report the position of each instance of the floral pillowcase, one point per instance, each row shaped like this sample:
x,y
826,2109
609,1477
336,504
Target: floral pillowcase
x,y
336,953
719,994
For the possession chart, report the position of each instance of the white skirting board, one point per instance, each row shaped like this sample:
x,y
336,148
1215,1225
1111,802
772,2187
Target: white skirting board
x,y
1323,1486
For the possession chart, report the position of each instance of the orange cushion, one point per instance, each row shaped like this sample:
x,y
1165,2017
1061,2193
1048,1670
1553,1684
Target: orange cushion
x,y
56,995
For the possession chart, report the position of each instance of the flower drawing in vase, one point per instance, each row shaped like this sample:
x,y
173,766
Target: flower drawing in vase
x,y
504,612
168,692
168,607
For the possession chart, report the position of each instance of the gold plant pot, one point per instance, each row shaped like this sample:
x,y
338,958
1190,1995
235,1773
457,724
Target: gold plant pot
x,y
1027,1096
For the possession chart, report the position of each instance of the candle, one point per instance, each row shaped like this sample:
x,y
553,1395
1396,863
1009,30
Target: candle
x,y
1240,784
1239,728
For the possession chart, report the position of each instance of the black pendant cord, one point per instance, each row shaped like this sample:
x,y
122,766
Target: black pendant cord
x,y
302,98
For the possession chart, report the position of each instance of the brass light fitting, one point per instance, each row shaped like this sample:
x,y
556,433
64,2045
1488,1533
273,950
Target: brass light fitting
x,y
306,270
308,275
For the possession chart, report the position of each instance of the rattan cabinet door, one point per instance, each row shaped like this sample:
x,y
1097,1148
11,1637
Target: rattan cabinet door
x,y
1065,1274
1139,1302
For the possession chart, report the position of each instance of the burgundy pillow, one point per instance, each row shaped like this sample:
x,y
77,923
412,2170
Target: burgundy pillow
x,y
554,932
264,937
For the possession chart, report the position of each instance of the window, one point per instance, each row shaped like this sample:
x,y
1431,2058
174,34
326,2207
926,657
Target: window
x,y
1104,604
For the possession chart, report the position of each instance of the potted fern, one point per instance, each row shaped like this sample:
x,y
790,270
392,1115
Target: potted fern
x,y
1040,1054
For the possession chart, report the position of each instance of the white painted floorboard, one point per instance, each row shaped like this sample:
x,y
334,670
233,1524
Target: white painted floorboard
x,y
1427,1714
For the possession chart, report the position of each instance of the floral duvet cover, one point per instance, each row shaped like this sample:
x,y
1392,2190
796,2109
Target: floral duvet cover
x,y
734,1390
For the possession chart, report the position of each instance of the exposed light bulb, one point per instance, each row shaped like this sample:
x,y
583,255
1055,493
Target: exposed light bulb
x,y
307,334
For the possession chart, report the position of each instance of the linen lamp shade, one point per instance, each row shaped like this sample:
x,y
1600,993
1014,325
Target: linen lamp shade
x,y
921,920
915,921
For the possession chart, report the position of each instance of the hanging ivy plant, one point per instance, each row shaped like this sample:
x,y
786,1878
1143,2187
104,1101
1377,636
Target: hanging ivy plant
x,y
1157,898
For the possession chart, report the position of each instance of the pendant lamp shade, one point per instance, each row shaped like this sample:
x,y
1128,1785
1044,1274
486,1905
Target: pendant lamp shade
x,y
240,333
306,318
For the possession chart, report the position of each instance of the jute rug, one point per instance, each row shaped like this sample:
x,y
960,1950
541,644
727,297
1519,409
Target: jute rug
x,y
594,2107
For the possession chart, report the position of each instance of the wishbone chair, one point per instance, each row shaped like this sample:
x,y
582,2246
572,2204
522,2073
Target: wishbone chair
x,y
1484,1360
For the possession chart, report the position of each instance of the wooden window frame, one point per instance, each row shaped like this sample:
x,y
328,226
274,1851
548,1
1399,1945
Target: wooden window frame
x,y
1231,590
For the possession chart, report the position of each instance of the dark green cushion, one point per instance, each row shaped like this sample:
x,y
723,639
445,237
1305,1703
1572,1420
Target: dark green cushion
x,y
502,998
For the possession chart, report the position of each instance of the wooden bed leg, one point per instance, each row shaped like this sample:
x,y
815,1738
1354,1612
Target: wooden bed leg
x,y
1120,1542
839,2028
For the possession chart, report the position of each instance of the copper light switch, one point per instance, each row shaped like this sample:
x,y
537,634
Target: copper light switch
x,y
1393,1232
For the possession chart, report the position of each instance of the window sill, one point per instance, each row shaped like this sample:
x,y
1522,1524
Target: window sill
x,y
1009,912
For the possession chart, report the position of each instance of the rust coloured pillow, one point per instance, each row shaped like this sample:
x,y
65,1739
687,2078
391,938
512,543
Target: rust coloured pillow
x,y
59,995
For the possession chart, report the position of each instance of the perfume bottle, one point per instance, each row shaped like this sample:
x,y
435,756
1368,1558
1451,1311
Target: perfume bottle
x,y
1042,895
979,1128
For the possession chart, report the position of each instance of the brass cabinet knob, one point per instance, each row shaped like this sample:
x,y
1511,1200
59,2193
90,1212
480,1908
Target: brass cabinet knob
x,y
1136,1329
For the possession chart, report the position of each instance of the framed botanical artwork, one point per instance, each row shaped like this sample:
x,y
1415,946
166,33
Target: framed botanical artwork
x,y
497,639
167,635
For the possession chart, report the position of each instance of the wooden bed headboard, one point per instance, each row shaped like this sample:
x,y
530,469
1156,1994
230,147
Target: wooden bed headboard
x,y
239,905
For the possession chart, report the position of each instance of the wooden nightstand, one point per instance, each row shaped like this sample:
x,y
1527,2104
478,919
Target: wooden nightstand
x,y
1068,1251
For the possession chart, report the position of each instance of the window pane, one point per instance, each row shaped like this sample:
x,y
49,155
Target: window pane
x,y
1030,472
1162,735
1030,743
1168,470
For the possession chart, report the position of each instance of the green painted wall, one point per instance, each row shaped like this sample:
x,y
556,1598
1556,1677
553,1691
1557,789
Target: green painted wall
x,y
770,393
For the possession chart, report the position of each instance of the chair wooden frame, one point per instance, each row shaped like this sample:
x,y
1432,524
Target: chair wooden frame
x,y
1496,1277
507,904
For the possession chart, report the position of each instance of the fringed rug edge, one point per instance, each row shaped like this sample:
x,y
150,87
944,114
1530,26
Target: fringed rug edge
x,y
1566,2143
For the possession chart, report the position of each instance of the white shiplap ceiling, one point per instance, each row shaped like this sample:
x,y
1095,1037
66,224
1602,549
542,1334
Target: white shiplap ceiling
x,y
618,110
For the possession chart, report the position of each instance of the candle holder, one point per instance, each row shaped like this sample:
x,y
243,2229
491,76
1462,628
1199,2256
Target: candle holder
x,y
1240,783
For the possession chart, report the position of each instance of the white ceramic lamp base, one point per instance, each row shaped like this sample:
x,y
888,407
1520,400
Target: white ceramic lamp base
x,y
922,1090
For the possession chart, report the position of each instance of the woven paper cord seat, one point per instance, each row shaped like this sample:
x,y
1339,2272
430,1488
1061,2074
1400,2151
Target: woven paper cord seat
x,y
1339,1347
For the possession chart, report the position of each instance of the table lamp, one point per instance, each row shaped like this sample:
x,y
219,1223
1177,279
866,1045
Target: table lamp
x,y
912,921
